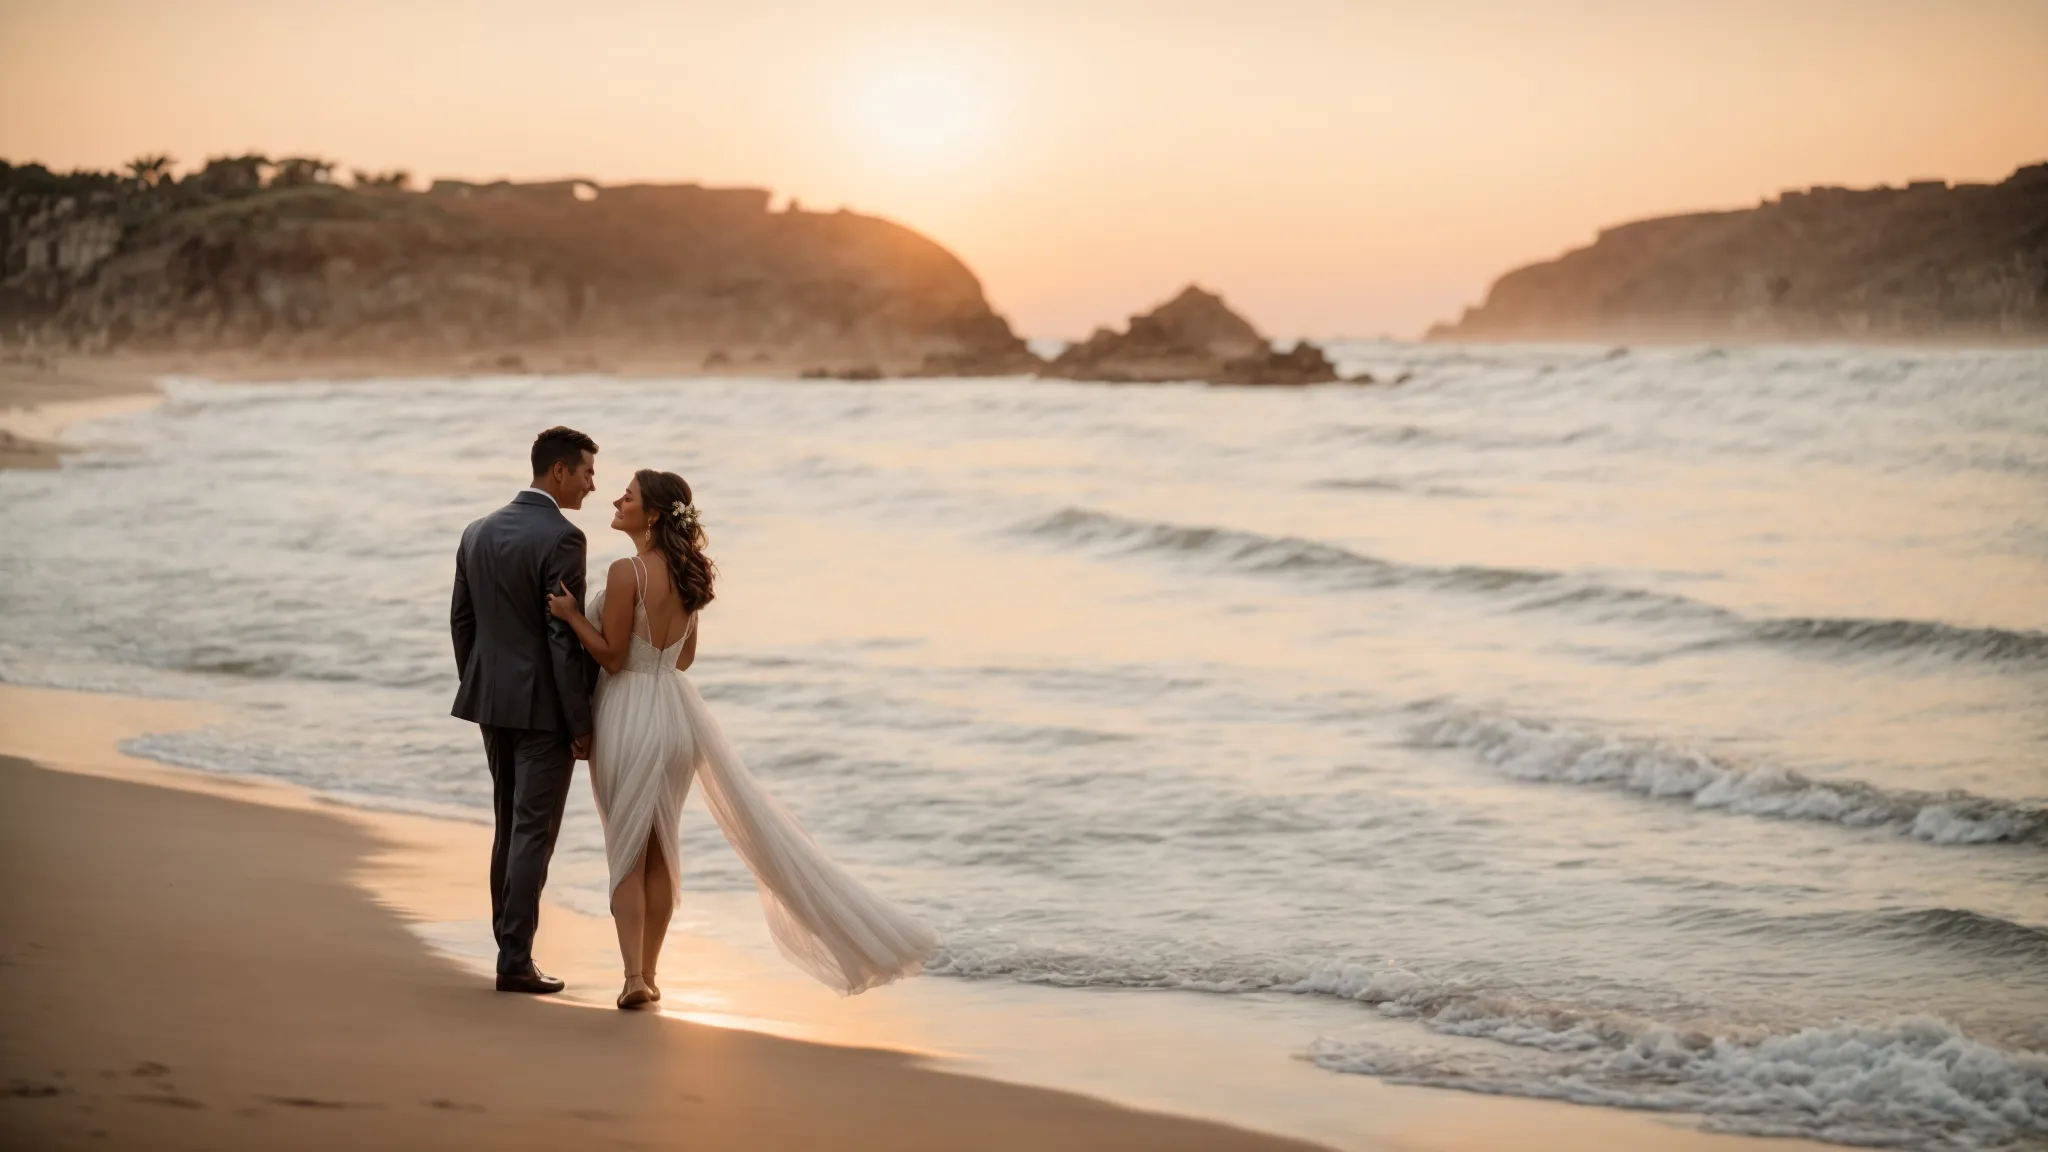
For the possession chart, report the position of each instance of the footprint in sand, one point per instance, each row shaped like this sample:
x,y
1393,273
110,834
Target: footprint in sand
x,y
170,1101
312,1102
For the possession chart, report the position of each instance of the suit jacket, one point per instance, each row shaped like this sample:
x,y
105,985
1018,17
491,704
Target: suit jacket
x,y
520,667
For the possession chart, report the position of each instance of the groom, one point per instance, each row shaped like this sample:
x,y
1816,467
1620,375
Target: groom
x,y
526,681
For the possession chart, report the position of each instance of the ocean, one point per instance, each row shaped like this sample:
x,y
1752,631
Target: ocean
x,y
1651,728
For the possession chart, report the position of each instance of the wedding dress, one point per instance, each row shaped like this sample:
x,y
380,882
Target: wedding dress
x,y
652,735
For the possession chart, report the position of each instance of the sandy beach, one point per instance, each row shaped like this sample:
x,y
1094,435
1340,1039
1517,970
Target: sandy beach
x,y
216,962
188,970
39,396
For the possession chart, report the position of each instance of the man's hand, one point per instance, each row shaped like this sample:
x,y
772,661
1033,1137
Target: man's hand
x,y
580,747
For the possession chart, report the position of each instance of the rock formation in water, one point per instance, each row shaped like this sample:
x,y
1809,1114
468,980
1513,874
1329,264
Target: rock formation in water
x,y
1194,336
1305,363
1927,261
272,258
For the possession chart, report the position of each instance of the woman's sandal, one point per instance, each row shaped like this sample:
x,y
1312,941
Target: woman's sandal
x,y
633,997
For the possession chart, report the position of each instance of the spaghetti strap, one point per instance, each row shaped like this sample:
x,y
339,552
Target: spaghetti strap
x,y
642,626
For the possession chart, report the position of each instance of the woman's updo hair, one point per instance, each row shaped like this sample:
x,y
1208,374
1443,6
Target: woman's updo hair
x,y
676,530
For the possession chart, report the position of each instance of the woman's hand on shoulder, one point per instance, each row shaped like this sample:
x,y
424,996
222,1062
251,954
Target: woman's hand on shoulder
x,y
561,605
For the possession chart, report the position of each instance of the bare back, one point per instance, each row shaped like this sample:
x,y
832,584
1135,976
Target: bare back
x,y
660,618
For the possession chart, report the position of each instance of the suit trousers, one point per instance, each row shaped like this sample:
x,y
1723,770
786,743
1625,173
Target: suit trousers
x,y
530,775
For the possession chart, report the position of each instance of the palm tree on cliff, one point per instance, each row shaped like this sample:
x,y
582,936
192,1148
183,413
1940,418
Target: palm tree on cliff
x,y
234,175
397,178
299,171
148,171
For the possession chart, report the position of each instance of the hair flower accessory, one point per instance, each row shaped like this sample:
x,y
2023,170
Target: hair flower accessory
x,y
686,515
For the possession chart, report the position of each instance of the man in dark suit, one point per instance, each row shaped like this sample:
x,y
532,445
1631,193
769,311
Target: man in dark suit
x,y
526,681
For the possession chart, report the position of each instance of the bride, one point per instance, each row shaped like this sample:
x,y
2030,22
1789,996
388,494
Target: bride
x,y
653,735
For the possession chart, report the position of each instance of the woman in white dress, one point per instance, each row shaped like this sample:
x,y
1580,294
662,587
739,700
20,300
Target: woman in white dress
x,y
653,735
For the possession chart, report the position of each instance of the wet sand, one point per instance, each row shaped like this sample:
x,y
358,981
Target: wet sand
x,y
39,395
200,961
183,969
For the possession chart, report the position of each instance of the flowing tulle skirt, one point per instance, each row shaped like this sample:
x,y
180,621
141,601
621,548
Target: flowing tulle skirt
x,y
642,759
653,736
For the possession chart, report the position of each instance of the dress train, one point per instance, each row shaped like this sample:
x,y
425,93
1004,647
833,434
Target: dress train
x,y
653,736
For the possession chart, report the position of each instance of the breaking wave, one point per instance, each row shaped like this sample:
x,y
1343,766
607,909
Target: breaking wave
x,y
1527,589
1553,753
1252,553
1965,930
1994,645
1919,1083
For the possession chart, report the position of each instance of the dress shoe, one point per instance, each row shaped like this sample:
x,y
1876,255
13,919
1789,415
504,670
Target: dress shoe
x,y
532,980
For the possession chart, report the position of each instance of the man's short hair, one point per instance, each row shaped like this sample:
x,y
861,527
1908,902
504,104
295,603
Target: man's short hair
x,y
559,445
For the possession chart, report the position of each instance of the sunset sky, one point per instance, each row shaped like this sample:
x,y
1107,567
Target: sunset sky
x,y
1334,167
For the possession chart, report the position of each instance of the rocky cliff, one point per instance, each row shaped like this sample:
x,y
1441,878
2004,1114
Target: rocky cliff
x,y
255,256
1194,336
1927,261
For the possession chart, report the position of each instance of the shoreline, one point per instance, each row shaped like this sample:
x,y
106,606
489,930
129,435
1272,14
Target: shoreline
x,y
38,398
413,875
204,964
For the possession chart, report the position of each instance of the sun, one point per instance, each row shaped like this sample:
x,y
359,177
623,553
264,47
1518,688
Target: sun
x,y
922,112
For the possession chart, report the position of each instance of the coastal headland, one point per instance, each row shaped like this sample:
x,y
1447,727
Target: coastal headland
x,y
272,268
1932,261
274,261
